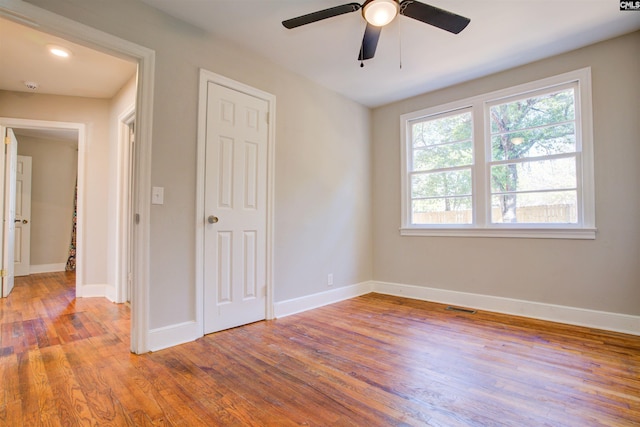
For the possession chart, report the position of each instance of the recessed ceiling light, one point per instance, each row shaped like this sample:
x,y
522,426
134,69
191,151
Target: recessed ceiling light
x,y
59,51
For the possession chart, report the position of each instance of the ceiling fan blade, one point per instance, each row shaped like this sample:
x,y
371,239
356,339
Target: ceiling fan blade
x,y
432,15
369,42
320,15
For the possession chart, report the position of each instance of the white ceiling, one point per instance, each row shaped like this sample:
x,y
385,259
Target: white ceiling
x,y
87,73
502,34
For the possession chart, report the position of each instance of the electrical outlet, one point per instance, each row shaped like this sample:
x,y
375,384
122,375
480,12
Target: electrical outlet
x,y
330,279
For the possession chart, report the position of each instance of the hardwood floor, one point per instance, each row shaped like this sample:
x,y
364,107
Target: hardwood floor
x,y
374,360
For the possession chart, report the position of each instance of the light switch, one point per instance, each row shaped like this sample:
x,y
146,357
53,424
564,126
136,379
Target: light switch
x,y
157,195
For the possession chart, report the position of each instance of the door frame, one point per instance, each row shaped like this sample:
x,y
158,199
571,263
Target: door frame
x,y
124,208
207,77
44,20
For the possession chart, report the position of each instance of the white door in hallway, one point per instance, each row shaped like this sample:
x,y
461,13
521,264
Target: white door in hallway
x,y
8,160
235,209
23,216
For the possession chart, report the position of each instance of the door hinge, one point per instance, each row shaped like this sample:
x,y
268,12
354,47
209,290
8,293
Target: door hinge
x,y
3,273
7,140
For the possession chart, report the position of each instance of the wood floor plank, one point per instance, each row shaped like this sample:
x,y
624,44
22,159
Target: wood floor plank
x,y
70,402
10,403
35,391
182,409
105,407
374,360
135,394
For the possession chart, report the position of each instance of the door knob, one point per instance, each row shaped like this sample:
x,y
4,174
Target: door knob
x,y
24,221
212,219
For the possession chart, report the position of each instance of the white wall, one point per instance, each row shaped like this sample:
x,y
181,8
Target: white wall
x,y
53,183
601,274
322,171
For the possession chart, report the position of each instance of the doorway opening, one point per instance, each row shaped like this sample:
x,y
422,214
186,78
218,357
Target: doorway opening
x,y
50,155
39,138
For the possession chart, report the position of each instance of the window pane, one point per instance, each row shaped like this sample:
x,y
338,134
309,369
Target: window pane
x,y
556,207
443,156
555,107
544,141
442,130
445,210
534,176
441,184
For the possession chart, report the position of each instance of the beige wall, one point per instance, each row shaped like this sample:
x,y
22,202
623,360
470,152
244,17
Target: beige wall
x,y
601,274
53,182
94,113
322,170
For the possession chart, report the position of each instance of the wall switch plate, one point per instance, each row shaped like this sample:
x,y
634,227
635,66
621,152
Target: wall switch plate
x,y
157,195
330,279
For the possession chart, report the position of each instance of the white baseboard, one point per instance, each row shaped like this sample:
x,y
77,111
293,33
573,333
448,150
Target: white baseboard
x,y
624,323
297,305
46,268
556,313
96,291
172,335
110,293
92,291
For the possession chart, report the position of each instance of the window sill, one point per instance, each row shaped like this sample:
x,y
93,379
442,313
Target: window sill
x,y
522,232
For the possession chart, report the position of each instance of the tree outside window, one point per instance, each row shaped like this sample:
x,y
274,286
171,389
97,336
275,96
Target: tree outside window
x,y
533,153
441,182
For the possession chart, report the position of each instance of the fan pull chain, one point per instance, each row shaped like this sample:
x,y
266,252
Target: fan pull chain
x,y
362,55
400,44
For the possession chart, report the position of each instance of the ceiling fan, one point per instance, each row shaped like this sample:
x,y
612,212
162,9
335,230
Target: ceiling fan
x,y
379,13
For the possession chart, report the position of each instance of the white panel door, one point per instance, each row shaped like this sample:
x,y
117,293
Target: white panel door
x,y
235,209
9,161
23,216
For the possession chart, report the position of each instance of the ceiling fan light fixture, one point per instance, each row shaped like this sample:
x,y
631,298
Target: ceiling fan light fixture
x,y
380,12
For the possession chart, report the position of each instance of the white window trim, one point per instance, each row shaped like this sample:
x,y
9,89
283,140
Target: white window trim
x,y
482,227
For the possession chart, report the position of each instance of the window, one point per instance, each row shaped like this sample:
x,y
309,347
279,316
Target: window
x,y
512,163
441,169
